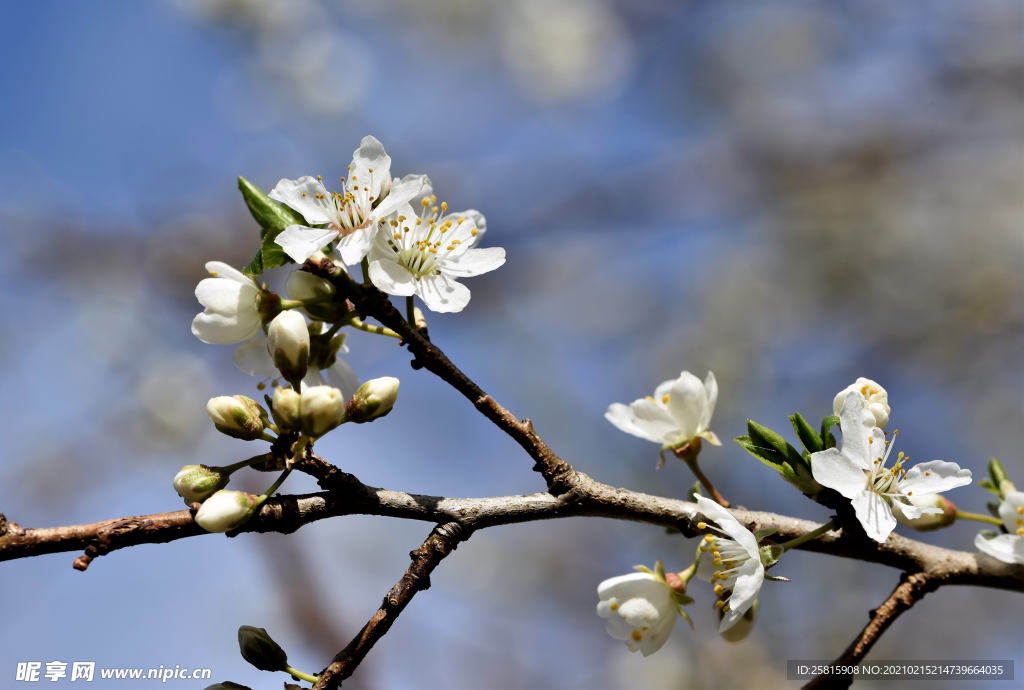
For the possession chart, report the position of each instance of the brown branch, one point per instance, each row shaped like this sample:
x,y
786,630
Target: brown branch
x,y
370,301
442,541
911,590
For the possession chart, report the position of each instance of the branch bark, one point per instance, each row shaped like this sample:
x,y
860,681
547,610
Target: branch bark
x,y
911,590
442,541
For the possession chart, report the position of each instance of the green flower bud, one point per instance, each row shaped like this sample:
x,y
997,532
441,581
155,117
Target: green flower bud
x,y
237,416
374,399
288,341
196,483
225,510
744,625
286,409
260,650
322,409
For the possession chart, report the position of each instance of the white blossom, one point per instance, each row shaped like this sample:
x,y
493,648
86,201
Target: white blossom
x,y
859,472
423,254
196,483
321,408
225,510
680,411
732,559
351,215
1008,548
231,312
874,394
288,344
641,610
374,399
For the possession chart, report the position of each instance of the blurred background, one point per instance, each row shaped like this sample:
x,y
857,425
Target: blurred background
x,y
790,194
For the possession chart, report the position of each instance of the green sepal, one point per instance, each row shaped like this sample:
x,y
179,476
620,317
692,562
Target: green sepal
x,y
808,436
766,532
770,554
682,599
273,218
694,492
270,254
659,570
776,578
672,530
993,508
827,438
686,617
643,569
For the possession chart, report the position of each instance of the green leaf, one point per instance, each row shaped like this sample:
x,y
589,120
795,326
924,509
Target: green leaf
x,y
267,212
773,443
270,254
999,478
766,532
808,436
694,492
799,475
682,599
987,484
993,508
827,439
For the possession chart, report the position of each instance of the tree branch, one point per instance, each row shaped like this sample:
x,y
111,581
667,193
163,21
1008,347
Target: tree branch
x,y
911,590
442,541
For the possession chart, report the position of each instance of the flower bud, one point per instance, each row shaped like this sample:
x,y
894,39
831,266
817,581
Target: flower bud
x,y
322,409
875,395
675,583
237,416
260,650
928,521
286,409
225,510
374,399
743,626
306,286
288,341
196,483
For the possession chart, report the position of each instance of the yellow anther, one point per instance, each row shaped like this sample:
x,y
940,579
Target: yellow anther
x,y
397,235
444,229
871,440
456,241
720,603
303,194
927,474
910,493
433,251
1020,530
405,229
401,219
708,537
665,399
718,590
614,606
419,221
260,386
716,562
214,273
371,169
319,178
725,609
434,209
425,203
273,384
704,548
1020,510
433,198
448,223
444,205
350,167
394,223
647,397
723,577
473,232
702,525
637,635
461,220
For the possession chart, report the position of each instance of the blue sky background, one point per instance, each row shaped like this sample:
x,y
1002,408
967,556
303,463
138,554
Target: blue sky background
x,y
789,194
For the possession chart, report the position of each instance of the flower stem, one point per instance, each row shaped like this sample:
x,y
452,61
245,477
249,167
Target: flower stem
x,y
705,482
270,492
410,313
365,265
978,517
317,300
231,469
329,333
300,675
268,437
356,323
810,536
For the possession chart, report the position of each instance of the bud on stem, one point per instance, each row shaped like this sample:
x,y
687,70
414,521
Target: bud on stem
x,y
288,341
238,416
374,399
226,510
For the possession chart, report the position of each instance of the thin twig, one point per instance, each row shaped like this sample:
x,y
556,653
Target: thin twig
x,y
911,590
442,541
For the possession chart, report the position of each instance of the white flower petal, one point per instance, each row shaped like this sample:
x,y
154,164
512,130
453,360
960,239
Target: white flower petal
x,y
1008,548
300,195
912,512
217,329
687,404
618,628
474,262
401,192
654,420
749,579
253,357
934,477
442,294
343,377
638,611
354,246
1009,510
711,386
663,389
622,586
835,470
219,269
656,637
230,315
312,379
370,154
622,417
857,424
474,219
730,525
300,242
392,278
874,514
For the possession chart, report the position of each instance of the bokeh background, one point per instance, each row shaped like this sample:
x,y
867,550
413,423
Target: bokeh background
x,y
790,194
